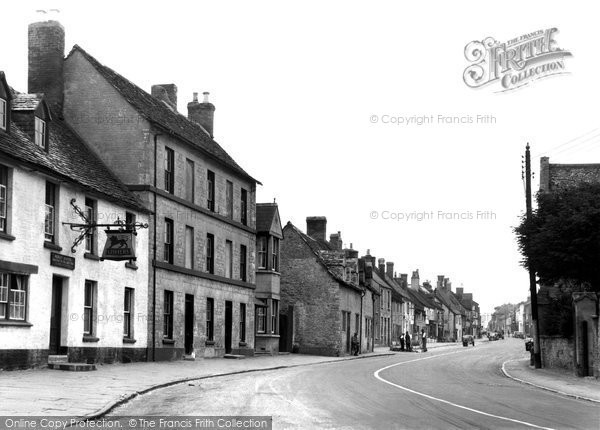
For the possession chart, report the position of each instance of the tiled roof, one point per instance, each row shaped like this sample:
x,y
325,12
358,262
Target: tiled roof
x,y
157,112
68,158
315,247
449,301
25,101
265,215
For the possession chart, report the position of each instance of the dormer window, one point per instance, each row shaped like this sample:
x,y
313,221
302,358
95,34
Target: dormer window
x,y
3,114
40,132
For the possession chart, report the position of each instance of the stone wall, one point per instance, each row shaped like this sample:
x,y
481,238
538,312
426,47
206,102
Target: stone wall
x,y
557,352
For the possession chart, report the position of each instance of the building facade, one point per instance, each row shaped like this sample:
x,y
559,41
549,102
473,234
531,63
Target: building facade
x,y
201,252
57,296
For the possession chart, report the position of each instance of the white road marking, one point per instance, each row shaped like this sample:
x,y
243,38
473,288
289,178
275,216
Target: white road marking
x,y
427,396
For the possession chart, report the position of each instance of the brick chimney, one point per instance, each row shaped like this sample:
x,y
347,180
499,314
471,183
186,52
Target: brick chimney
x,y
404,279
381,266
335,240
167,93
415,280
389,269
545,174
370,258
440,281
46,60
316,227
202,113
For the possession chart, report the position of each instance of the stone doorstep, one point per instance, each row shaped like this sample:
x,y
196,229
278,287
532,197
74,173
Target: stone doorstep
x,y
72,367
234,356
53,359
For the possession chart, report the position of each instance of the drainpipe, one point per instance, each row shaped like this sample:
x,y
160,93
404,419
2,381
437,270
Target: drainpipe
x,y
373,325
154,257
362,295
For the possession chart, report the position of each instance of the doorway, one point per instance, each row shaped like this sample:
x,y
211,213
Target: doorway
x,y
55,316
228,325
189,324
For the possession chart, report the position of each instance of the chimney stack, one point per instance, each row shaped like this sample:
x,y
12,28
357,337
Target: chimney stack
x,y
316,227
404,278
440,281
415,280
381,265
335,240
389,269
545,174
46,61
167,93
202,113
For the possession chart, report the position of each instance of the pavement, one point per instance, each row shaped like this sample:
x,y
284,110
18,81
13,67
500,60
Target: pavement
x,y
46,392
560,382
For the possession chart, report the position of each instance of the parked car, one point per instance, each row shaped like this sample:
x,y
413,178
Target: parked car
x,y
493,336
468,339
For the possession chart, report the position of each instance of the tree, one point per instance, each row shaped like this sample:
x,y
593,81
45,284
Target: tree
x,y
562,238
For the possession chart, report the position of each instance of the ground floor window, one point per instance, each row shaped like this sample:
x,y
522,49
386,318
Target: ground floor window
x,y
274,316
210,318
261,319
13,296
127,312
168,315
242,322
89,307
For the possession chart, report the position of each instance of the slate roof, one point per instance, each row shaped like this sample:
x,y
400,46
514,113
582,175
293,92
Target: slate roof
x,y
315,247
68,158
157,112
265,214
449,301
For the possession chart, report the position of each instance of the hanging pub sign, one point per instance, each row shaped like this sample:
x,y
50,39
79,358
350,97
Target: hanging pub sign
x,y
119,245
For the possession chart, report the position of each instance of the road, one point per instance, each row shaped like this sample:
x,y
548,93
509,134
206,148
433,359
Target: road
x,y
445,388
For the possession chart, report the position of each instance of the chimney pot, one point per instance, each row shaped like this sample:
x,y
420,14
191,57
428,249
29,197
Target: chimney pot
x,y
205,94
202,113
195,98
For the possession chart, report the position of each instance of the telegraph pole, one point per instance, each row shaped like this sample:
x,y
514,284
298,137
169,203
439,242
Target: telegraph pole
x,y
537,357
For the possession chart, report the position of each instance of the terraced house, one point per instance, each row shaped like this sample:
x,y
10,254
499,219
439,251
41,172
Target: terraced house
x,y
69,306
202,230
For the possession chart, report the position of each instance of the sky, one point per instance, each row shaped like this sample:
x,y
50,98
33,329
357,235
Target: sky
x,y
315,100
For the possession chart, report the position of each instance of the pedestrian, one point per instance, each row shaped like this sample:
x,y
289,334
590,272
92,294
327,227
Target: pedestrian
x,y
355,344
401,342
407,342
424,339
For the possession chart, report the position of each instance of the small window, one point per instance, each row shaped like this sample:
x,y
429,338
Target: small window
x,y
4,190
127,312
189,247
169,170
49,217
40,132
88,307
229,199
210,253
262,252
168,315
242,322
228,259
275,255
13,296
3,114
90,238
190,186
244,207
210,317
243,262
168,248
210,180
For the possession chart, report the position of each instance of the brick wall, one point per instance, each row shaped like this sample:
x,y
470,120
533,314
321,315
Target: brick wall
x,y
557,352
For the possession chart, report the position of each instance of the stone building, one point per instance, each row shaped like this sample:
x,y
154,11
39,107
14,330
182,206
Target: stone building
x,y
451,317
321,295
55,302
202,250
269,331
579,349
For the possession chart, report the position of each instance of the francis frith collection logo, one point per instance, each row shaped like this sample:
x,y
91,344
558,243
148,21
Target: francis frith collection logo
x,y
514,63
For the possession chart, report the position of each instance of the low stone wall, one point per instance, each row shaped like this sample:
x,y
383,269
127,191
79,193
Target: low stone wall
x,y
557,352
